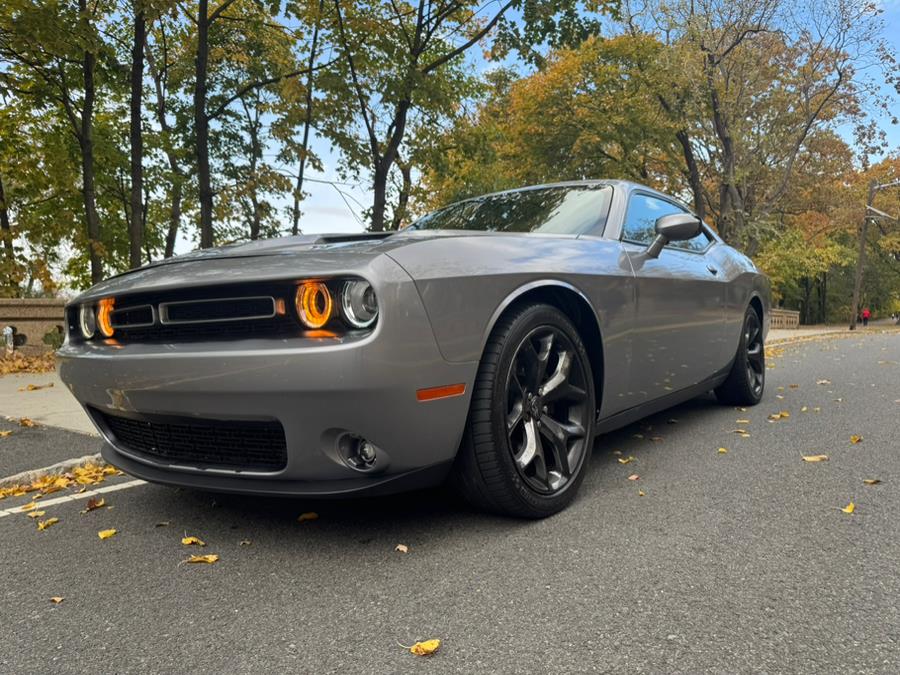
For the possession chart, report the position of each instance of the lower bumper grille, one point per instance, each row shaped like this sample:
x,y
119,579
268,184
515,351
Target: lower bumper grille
x,y
248,445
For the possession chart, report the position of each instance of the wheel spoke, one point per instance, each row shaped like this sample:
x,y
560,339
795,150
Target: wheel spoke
x,y
514,417
530,450
560,434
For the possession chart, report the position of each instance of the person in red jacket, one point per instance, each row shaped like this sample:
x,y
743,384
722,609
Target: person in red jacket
x,y
865,315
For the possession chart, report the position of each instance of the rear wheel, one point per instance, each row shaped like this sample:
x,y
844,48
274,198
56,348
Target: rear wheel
x,y
530,429
747,379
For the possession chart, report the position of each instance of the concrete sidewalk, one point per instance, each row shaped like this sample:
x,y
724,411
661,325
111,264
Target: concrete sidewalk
x,y
53,406
789,334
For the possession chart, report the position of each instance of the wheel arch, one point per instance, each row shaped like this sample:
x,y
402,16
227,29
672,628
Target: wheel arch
x,y
574,304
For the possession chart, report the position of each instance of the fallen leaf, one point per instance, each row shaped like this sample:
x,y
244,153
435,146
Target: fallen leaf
x,y
823,381
850,508
26,422
208,559
626,460
35,387
162,523
617,452
30,506
742,421
93,503
871,481
794,386
44,524
641,493
656,438
401,548
5,433
106,534
36,514
192,541
855,439
722,451
309,515
426,648
56,599
815,458
804,409
244,542
638,436
633,476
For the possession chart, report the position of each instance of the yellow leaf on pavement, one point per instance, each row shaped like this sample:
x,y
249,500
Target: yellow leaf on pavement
x,y
36,514
309,515
192,541
26,422
855,439
850,508
106,534
815,458
94,503
56,599
5,433
401,548
742,421
626,460
722,451
871,481
641,493
426,648
209,559
633,476
44,524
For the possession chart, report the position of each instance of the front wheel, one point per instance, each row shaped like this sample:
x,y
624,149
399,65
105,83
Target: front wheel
x,y
530,429
747,379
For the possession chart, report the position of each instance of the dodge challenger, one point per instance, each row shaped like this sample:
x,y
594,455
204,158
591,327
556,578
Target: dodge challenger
x,y
487,344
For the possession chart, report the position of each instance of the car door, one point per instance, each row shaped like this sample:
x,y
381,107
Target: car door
x,y
679,320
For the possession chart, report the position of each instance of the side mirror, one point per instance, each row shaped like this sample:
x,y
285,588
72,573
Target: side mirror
x,y
674,227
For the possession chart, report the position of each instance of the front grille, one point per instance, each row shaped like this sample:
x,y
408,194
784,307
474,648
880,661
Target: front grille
x,y
248,445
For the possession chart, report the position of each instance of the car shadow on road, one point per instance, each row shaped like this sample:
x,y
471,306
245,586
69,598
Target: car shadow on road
x,y
433,510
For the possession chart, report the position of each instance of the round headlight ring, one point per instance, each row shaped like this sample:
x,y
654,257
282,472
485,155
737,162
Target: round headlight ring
x,y
87,321
104,316
314,304
359,303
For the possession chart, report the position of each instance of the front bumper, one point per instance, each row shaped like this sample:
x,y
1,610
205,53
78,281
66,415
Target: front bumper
x,y
317,388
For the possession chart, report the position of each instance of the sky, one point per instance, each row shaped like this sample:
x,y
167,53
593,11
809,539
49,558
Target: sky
x,y
333,207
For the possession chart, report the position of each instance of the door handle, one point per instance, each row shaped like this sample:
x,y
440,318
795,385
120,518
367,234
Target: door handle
x,y
712,269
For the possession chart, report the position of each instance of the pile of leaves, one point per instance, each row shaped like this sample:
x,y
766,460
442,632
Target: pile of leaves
x,y
20,363
88,474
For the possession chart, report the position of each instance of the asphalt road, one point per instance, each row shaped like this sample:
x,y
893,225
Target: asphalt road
x,y
734,562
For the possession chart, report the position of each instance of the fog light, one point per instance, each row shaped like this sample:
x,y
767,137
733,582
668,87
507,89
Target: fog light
x,y
359,453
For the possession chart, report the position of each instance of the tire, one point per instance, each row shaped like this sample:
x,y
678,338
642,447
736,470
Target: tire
x,y
534,384
747,379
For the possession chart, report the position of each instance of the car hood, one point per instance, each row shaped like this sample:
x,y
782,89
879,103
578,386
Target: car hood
x,y
265,260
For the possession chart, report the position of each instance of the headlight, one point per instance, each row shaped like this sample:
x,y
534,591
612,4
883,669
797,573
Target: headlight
x,y
313,303
359,303
104,316
87,320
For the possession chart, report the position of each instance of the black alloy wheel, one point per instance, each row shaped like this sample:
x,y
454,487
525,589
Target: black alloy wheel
x,y
530,430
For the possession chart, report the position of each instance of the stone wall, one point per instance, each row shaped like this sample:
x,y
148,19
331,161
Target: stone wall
x,y
32,318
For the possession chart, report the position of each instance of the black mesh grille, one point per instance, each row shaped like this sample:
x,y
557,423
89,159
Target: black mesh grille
x,y
246,445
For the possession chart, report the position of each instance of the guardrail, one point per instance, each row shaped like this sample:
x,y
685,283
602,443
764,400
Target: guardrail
x,y
26,322
784,318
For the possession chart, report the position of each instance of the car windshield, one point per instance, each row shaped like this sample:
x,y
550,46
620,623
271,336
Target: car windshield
x,y
549,210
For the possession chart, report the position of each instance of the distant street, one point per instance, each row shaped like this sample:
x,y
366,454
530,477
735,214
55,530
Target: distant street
x,y
710,561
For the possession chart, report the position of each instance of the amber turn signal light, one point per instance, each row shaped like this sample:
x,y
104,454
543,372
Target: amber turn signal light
x,y
104,316
314,304
447,391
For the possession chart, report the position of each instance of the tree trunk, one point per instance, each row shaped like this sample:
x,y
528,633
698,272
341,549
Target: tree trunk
x,y
174,218
86,142
307,123
11,282
403,199
385,162
693,173
201,126
136,233
861,260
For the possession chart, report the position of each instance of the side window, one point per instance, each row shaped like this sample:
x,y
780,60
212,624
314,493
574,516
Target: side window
x,y
640,222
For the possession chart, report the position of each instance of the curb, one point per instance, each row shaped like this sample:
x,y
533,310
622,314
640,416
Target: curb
x,y
29,476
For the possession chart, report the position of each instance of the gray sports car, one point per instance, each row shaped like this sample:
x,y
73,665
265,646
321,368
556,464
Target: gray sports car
x,y
488,343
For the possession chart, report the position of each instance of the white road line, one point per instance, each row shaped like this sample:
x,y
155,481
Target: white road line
x,y
75,497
